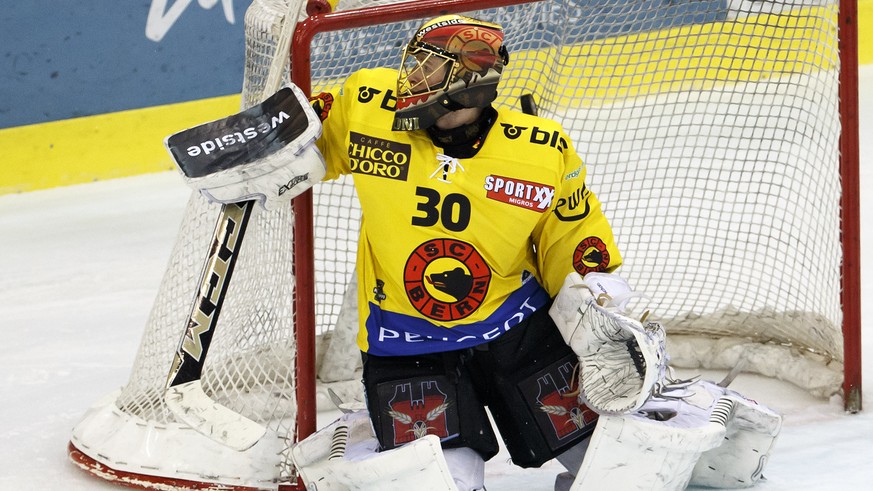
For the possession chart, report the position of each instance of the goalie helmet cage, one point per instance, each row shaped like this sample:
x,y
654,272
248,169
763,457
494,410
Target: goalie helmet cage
x,y
721,136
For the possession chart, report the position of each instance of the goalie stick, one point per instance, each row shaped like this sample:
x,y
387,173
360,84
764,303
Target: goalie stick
x,y
184,394
184,391
277,161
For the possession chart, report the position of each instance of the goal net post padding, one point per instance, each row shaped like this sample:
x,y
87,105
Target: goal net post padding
x,y
711,130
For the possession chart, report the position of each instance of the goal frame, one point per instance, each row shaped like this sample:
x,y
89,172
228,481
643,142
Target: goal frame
x,y
110,442
850,209
301,70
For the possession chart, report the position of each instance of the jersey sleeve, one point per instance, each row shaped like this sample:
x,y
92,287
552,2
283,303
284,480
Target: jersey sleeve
x,y
575,235
333,108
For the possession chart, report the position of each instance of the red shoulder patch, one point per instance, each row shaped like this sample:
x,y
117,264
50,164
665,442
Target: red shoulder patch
x,y
322,104
591,255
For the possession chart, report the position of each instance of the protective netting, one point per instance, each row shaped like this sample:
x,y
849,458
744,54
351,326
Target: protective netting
x,y
710,130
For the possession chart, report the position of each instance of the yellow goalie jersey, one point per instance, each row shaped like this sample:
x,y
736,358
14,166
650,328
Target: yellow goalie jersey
x,y
455,252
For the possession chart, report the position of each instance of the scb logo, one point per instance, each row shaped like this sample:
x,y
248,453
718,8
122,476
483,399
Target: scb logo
x,y
590,255
446,279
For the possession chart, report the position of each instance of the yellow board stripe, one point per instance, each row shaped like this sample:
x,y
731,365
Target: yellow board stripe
x,y
105,146
865,32
131,142
691,57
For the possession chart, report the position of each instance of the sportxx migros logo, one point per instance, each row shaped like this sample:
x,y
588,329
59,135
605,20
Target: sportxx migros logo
x,y
446,279
378,157
536,136
526,194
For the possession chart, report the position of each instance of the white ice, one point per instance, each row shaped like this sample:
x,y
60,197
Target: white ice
x,y
79,269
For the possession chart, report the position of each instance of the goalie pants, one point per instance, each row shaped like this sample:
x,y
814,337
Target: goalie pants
x,y
526,378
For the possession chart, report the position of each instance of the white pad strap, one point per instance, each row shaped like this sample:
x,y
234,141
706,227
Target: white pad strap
x,y
611,290
343,456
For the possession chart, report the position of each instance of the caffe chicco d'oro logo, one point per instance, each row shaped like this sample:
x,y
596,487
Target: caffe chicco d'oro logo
x,y
378,157
446,279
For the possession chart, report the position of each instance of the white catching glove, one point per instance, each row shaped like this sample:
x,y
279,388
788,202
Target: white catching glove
x,y
622,361
265,153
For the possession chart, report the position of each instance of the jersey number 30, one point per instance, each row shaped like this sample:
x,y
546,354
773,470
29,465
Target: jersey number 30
x,y
453,213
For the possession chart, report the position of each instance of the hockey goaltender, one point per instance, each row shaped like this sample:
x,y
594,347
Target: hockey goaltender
x,y
475,295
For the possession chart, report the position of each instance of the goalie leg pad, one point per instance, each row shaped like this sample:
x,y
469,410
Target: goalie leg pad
x,y
751,431
343,457
636,452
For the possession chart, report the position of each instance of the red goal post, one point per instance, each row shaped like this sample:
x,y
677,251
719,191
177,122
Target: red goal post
x,y
850,205
721,135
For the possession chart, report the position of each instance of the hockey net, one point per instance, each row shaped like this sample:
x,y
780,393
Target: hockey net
x,y
711,131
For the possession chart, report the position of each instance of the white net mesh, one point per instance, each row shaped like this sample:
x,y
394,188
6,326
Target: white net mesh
x,y
710,131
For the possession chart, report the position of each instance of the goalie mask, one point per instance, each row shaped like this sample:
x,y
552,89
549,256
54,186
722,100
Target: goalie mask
x,y
453,62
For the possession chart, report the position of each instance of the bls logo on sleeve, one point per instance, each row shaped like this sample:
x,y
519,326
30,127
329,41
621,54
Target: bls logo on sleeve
x,y
378,157
537,136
